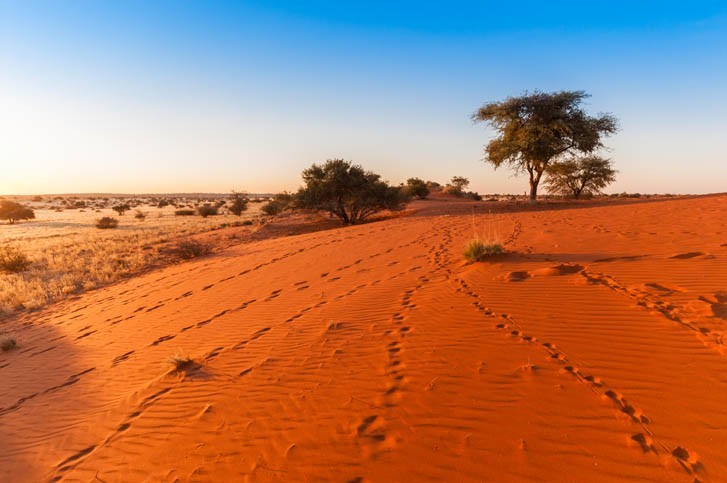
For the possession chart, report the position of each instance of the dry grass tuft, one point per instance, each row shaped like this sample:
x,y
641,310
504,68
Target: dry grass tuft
x,y
13,260
180,362
107,223
477,251
7,344
187,249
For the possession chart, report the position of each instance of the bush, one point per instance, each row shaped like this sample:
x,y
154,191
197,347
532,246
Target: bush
x,y
12,211
13,260
347,191
207,210
187,249
279,203
107,223
140,215
238,203
7,344
417,187
476,250
184,213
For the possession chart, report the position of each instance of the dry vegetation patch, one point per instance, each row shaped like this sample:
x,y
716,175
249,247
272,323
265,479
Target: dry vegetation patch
x,y
63,252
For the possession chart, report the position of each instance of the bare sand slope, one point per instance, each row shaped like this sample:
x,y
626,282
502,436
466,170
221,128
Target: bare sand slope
x,y
593,352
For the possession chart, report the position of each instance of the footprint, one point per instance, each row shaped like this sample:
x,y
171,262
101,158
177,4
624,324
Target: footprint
x,y
163,339
121,358
684,256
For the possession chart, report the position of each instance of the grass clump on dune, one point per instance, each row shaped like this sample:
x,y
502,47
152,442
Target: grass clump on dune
x,y
477,251
180,362
187,249
7,344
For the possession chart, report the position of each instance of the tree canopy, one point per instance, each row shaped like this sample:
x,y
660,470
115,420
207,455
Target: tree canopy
x,y
417,187
347,191
12,211
586,175
535,130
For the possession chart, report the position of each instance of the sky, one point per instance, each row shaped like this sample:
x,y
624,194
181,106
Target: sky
x,y
210,96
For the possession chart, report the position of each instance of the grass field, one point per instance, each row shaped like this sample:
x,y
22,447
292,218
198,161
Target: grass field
x,y
68,254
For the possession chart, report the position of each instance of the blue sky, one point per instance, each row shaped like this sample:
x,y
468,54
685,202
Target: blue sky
x,y
141,96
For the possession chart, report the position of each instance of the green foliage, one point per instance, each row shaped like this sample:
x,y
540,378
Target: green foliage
x,y
12,211
107,223
279,203
457,186
476,250
347,191
584,176
13,260
416,187
460,182
238,203
535,130
207,210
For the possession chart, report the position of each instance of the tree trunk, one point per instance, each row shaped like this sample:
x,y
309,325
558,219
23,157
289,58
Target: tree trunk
x,y
534,189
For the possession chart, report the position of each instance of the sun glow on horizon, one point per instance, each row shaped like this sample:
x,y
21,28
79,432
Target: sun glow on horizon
x,y
136,98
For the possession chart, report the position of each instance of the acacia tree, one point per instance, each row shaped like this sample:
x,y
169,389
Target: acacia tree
x,y
121,209
586,175
535,130
347,191
12,211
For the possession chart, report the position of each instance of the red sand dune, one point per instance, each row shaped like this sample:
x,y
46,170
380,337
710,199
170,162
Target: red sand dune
x,y
593,351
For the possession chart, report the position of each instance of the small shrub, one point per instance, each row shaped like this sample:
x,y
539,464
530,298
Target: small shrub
x,y
207,210
476,250
184,213
107,223
187,249
180,362
7,344
247,223
279,203
13,260
140,215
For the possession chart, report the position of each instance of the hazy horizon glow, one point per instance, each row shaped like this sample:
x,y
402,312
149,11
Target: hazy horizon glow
x,y
142,97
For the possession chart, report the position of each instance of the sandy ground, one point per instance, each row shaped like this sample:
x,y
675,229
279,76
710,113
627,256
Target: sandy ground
x,y
593,352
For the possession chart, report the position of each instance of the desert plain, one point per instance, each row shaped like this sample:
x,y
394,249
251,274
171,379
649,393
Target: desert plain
x,y
593,350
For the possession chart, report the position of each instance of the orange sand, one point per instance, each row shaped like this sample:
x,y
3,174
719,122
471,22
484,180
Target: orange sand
x,y
592,352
